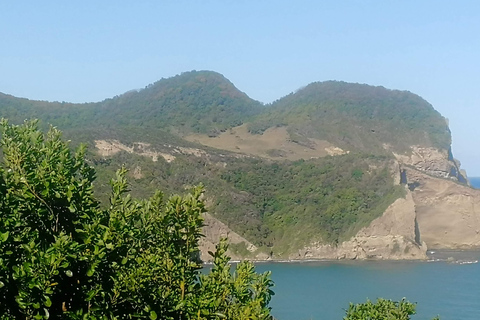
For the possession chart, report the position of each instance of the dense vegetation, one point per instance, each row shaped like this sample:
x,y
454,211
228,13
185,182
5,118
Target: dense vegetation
x,y
327,199
194,101
382,309
64,257
280,206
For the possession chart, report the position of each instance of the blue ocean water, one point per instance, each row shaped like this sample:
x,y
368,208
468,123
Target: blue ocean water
x,y
323,290
475,182
448,285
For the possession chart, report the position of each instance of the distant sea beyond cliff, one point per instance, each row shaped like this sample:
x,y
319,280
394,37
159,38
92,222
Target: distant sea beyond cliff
x,y
475,182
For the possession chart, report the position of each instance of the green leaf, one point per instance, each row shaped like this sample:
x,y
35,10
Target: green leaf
x,y
91,271
153,315
4,236
48,302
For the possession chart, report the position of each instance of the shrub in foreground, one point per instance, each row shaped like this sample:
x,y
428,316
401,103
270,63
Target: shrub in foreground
x,y
382,309
62,257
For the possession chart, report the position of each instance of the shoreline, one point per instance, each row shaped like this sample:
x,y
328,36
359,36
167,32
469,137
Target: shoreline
x,y
464,256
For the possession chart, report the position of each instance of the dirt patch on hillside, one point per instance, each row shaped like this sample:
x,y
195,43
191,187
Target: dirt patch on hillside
x,y
107,148
274,143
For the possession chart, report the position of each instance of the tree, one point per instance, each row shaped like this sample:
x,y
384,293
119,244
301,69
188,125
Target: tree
x,y
61,256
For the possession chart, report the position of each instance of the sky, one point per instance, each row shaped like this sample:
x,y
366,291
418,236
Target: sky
x,y
84,51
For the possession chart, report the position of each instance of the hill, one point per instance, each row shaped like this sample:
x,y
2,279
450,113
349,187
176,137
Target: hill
x,y
196,101
357,117
317,166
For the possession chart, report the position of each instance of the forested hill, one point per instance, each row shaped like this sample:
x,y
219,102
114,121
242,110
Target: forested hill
x,y
197,101
357,117
278,204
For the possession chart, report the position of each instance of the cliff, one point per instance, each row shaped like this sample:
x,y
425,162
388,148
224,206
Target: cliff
x,y
393,236
435,162
438,212
448,213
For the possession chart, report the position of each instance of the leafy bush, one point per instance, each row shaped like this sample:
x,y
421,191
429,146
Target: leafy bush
x,y
381,310
62,256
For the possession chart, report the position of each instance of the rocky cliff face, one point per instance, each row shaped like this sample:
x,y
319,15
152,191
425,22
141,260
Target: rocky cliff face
x,y
448,210
436,162
392,236
448,213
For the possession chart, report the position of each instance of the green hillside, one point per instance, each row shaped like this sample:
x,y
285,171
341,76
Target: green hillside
x,y
357,117
197,101
278,205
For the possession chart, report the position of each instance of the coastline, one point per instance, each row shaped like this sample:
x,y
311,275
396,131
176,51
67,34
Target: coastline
x,y
438,255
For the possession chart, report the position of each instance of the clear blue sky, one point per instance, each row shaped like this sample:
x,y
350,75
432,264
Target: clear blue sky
x,y
81,51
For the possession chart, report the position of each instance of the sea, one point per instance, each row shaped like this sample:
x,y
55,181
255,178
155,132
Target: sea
x,y
448,285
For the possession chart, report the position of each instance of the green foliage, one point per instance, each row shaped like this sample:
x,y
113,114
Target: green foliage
x,y
62,256
382,309
327,199
246,293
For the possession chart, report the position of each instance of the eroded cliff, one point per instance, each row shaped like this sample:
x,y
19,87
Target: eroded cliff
x,y
392,236
448,213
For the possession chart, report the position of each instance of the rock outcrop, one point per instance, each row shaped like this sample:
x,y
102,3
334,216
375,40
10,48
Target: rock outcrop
x,y
393,236
448,210
436,162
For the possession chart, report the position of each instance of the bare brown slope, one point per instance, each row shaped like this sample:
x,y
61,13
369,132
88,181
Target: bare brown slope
x,y
274,143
